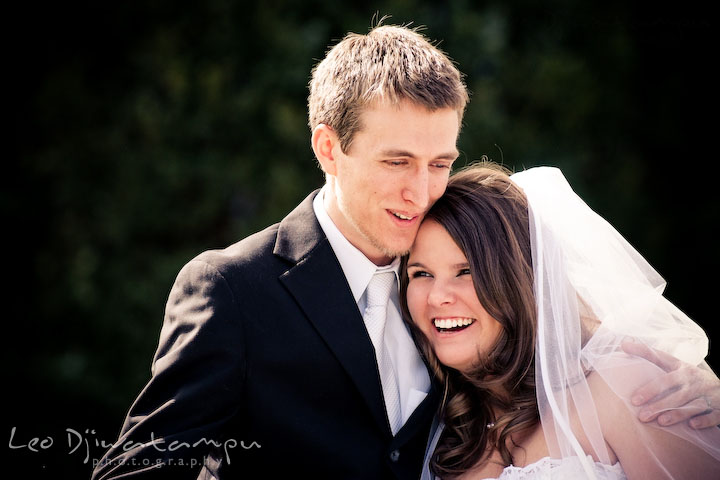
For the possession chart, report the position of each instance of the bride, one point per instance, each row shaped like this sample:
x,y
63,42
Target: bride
x,y
525,302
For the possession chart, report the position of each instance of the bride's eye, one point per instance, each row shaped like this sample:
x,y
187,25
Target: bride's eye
x,y
464,271
419,273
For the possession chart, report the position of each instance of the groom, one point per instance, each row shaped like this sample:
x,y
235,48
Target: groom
x,y
265,366
273,361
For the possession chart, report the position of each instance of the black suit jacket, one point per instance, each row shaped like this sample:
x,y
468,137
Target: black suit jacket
x,y
265,370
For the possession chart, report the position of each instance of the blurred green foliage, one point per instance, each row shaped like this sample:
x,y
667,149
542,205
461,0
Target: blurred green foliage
x,y
145,132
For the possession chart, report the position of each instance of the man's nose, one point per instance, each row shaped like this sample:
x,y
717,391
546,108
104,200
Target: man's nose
x,y
417,188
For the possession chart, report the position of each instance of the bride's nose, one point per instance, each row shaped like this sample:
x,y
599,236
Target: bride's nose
x,y
441,293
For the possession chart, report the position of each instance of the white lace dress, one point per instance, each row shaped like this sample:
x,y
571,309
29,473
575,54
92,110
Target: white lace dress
x,y
568,468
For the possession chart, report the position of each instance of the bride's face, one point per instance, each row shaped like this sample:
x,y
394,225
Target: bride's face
x,y
442,300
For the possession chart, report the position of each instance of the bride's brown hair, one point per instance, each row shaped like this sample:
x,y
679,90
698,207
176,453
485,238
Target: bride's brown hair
x,y
486,215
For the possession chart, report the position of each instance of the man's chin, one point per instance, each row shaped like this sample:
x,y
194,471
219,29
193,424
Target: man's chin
x,y
391,247
393,251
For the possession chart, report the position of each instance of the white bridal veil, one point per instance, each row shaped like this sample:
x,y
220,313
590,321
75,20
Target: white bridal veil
x,y
594,290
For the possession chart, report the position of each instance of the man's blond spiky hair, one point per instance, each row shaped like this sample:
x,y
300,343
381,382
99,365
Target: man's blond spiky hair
x,y
390,64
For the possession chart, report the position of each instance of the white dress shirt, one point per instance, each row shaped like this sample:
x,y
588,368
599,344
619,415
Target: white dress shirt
x,y
412,376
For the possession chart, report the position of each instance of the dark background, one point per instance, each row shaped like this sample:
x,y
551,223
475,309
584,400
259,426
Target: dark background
x,y
142,133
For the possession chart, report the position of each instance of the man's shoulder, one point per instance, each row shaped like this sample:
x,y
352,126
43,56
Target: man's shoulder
x,y
252,250
242,265
268,251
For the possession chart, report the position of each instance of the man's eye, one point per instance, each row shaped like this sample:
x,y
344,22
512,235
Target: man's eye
x,y
396,163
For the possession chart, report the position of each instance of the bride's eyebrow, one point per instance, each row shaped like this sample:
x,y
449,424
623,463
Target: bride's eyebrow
x,y
420,265
416,265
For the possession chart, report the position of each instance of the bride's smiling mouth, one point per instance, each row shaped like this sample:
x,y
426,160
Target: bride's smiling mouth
x,y
451,325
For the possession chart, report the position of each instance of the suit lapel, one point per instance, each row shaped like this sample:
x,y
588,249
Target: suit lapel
x,y
318,284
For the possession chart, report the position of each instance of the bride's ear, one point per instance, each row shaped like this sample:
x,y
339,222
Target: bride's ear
x,y
324,139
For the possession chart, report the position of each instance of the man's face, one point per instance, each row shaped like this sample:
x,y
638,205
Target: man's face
x,y
397,166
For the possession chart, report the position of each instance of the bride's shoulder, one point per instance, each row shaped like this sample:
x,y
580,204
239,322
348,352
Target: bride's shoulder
x,y
615,376
613,407
612,383
645,449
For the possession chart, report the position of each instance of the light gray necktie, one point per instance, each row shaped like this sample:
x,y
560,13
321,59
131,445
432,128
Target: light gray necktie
x,y
378,294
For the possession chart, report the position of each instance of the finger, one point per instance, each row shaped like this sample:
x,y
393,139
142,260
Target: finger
x,y
707,420
672,416
670,387
712,397
663,360
665,406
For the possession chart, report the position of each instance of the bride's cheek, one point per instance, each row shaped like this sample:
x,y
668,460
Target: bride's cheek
x,y
414,303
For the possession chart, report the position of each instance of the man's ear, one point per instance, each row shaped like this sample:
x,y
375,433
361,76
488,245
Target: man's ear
x,y
324,140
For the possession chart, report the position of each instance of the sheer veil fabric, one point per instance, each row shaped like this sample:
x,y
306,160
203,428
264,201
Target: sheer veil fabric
x,y
593,291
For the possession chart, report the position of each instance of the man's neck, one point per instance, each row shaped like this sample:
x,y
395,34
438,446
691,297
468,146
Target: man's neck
x,y
351,233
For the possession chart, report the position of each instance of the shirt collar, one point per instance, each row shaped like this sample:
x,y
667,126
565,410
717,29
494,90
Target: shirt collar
x,y
358,269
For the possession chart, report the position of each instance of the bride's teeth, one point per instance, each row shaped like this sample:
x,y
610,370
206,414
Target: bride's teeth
x,y
447,323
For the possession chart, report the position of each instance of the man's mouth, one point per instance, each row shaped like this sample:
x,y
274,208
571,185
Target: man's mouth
x,y
402,216
443,325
